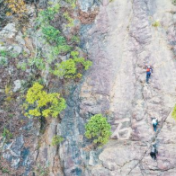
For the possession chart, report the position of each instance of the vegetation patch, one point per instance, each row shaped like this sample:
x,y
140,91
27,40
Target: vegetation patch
x,y
40,103
56,140
16,7
7,134
174,112
156,24
70,67
98,129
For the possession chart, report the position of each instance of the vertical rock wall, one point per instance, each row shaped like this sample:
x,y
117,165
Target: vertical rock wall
x,y
123,39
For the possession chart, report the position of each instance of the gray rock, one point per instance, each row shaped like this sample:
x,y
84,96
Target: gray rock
x,y
20,39
12,152
86,5
120,42
9,31
17,49
17,85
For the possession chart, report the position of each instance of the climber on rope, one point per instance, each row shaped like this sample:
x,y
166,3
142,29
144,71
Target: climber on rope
x,y
154,152
148,73
154,123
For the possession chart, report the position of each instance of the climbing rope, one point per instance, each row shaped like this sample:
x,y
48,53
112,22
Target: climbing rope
x,y
150,144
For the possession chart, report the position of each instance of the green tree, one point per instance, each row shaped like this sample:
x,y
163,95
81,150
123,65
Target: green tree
x,y
40,103
98,129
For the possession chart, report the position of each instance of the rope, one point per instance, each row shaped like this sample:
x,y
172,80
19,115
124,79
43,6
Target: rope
x,y
152,140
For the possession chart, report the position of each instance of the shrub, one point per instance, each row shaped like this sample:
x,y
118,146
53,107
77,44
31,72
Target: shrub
x,y
8,93
7,134
69,19
54,37
174,112
3,53
5,170
56,140
75,39
69,68
37,62
22,66
156,24
16,7
98,129
81,60
41,103
71,2
45,16
66,69
3,61
52,34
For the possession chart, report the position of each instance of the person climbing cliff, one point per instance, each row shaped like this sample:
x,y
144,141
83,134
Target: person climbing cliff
x,y
154,123
154,152
149,70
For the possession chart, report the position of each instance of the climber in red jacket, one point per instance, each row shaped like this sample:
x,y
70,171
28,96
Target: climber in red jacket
x,y
148,73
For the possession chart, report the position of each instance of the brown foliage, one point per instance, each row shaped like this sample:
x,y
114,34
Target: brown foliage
x,y
17,7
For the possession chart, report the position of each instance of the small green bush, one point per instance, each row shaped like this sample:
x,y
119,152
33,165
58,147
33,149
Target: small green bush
x,y
174,112
22,66
7,134
54,37
56,140
98,129
69,68
66,69
69,19
3,53
37,62
40,103
5,170
75,39
3,58
156,24
72,3
45,16
77,59
3,61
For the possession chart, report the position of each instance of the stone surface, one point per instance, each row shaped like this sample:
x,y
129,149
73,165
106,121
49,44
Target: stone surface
x,y
12,151
17,85
88,5
121,42
121,39
8,31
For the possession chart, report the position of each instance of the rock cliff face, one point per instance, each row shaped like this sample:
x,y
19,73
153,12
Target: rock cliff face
x,y
121,38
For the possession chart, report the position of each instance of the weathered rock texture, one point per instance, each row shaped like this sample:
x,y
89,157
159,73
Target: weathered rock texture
x,y
121,42
121,38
